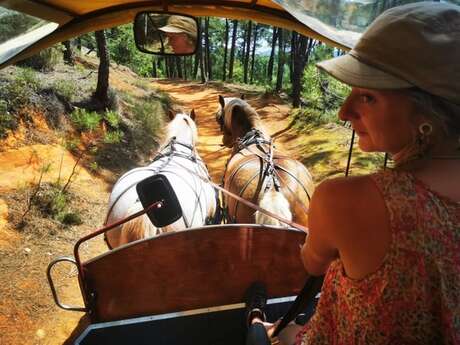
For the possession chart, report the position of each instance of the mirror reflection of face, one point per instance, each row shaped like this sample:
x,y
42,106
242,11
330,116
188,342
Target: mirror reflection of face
x,y
180,42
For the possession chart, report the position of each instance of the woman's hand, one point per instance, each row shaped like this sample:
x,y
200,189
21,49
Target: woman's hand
x,y
286,337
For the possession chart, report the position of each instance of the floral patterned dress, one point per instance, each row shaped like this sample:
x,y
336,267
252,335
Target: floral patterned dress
x,y
414,297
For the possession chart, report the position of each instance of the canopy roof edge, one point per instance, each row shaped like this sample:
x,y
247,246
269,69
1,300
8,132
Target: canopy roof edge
x,y
122,14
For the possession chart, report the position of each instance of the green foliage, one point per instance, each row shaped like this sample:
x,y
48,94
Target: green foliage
x,y
19,92
53,202
112,118
65,88
306,118
7,120
113,137
69,218
72,145
322,94
143,84
85,120
45,60
123,50
148,115
94,167
13,23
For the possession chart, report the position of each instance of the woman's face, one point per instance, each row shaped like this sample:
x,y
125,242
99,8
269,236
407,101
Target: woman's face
x,y
384,120
180,43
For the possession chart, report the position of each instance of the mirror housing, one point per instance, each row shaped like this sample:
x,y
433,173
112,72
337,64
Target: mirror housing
x,y
165,33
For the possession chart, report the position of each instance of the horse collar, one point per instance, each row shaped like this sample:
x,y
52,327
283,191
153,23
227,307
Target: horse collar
x,y
254,136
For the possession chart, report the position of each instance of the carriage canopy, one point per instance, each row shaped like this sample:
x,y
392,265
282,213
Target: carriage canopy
x,y
47,22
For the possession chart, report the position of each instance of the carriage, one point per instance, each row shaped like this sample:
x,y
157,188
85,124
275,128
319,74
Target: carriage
x,y
197,290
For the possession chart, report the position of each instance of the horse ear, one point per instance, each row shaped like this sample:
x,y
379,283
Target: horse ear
x,y
222,101
193,115
242,96
171,114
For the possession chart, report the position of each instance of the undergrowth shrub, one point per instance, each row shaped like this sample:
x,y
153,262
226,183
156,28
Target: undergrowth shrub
x,y
306,118
45,60
54,203
112,118
20,91
85,120
149,120
113,137
66,88
7,120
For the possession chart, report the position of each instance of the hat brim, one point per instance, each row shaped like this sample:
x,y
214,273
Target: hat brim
x,y
349,70
172,29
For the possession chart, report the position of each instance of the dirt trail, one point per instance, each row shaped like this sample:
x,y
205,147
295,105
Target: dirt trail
x,y
28,314
204,99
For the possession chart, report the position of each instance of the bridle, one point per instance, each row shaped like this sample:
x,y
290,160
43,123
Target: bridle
x,y
270,176
169,151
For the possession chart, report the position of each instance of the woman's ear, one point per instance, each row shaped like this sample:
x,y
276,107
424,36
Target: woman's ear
x,y
193,115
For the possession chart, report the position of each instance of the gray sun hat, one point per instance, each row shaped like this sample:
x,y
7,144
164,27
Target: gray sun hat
x,y
181,24
415,45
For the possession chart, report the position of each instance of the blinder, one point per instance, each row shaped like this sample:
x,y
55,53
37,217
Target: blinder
x,y
158,189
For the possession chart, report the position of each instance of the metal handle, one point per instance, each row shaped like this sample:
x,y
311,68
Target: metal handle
x,y
53,289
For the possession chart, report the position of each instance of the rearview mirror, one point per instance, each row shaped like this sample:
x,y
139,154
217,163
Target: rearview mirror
x,y
165,34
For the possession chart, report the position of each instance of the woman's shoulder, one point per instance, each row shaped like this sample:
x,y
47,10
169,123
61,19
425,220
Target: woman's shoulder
x,y
341,189
349,201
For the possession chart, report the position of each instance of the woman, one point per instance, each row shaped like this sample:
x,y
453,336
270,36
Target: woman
x,y
182,34
390,241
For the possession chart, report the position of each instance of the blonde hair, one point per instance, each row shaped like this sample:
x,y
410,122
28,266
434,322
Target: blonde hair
x,y
442,115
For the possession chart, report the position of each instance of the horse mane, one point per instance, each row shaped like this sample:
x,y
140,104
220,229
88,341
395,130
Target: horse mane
x,y
252,116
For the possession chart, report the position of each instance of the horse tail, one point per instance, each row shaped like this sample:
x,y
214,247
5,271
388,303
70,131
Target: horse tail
x,y
276,203
137,228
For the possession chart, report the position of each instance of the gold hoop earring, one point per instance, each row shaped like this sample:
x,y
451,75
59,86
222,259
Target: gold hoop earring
x,y
423,138
425,129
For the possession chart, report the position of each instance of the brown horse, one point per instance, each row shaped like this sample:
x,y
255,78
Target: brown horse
x,y
258,172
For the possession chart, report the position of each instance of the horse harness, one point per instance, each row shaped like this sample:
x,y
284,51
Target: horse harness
x,y
266,155
169,151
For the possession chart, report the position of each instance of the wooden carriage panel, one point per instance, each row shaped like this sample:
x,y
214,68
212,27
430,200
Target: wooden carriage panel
x,y
192,269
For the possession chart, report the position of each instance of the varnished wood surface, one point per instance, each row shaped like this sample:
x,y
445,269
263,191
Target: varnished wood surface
x,y
191,269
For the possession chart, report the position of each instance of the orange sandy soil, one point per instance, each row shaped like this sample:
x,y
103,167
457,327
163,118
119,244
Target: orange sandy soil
x,y
28,314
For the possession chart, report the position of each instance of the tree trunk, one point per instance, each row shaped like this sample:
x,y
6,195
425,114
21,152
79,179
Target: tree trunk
x,y
302,47
204,76
224,65
183,61
271,60
253,54
154,67
279,76
247,52
201,54
232,50
69,57
102,87
208,49
294,39
179,67
169,72
196,59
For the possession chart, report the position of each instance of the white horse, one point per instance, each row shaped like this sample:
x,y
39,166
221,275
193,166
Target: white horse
x,y
179,161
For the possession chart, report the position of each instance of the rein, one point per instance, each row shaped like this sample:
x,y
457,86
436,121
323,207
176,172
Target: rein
x,y
256,137
248,203
170,153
